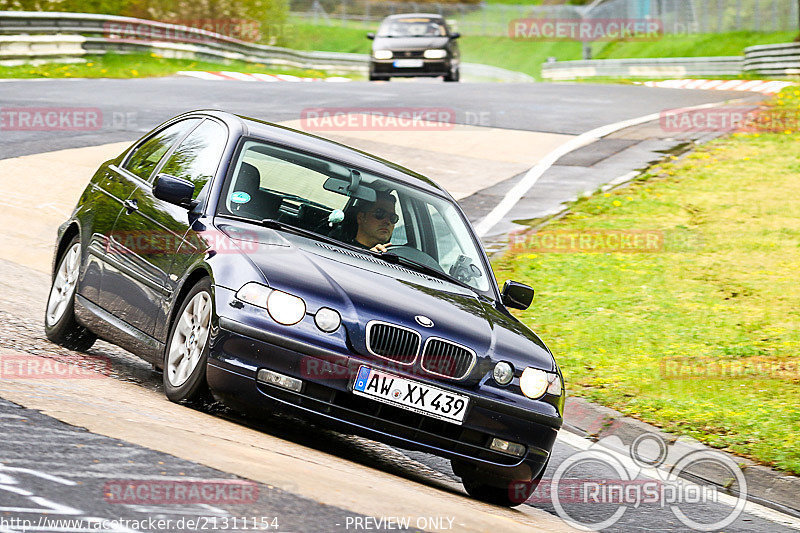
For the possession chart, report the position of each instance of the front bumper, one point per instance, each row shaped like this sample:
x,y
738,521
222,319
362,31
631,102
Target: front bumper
x,y
238,351
430,67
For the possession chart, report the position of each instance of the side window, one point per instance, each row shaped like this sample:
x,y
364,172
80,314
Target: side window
x,y
196,159
146,157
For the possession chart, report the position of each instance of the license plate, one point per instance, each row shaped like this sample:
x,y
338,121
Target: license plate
x,y
410,395
408,63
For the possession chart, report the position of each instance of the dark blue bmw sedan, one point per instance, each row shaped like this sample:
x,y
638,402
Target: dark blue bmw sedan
x,y
279,271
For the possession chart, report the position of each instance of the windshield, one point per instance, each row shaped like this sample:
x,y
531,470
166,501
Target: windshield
x,y
353,207
412,27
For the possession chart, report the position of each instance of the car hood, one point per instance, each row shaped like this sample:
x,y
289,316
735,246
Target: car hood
x,y
408,43
364,288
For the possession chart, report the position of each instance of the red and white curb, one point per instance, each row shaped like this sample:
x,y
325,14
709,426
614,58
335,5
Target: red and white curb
x,y
759,86
243,76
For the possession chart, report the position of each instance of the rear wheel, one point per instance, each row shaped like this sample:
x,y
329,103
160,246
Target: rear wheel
x,y
60,325
187,347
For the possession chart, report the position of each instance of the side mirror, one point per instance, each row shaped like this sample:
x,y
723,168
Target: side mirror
x,y
516,295
371,35
455,35
174,190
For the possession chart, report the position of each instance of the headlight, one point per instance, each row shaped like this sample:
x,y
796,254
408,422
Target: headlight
x,y
382,54
327,319
285,308
435,54
555,385
503,373
534,383
254,294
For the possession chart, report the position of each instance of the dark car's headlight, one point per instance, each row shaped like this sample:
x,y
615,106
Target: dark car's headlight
x,y
327,319
437,53
382,54
534,383
284,308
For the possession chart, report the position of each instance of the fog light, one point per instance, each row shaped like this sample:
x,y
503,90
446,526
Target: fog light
x,y
279,380
503,373
504,446
327,319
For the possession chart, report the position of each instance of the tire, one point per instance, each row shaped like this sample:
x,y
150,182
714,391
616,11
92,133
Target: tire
x,y
378,78
500,495
512,494
454,75
60,325
186,352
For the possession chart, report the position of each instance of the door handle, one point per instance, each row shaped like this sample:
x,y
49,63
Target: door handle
x,y
130,206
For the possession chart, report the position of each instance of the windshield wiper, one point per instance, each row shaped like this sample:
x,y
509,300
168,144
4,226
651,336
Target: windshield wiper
x,y
276,224
390,257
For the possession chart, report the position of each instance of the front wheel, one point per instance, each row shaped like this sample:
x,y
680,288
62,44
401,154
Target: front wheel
x,y
187,346
510,494
454,75
60,325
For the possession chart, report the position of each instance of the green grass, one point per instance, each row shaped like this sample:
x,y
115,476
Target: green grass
x,y
138,66
728,44
528,56
723,291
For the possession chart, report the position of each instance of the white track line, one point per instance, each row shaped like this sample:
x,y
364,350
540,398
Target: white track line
x,y
532,176
755,509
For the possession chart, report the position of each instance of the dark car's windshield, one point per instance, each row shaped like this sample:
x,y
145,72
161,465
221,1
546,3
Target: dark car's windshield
x,y
412,27
353,207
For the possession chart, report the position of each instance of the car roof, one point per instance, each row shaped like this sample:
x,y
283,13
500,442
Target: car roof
x,y
426,15
325,148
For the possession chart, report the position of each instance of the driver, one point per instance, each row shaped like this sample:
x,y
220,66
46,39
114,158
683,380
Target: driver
x,y
376,222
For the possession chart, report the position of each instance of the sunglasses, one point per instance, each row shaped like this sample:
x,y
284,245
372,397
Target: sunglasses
x,y
381,214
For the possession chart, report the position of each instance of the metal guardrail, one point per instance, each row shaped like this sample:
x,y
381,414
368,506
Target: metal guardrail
x,y
39,35
662,67
108,33
773,59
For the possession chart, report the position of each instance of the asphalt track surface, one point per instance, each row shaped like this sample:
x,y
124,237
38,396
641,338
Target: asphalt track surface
x,y
52,469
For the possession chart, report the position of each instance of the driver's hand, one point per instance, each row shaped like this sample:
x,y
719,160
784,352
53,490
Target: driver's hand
x,y
380,248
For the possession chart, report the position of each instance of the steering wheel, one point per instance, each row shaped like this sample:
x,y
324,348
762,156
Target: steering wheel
x,y
416,255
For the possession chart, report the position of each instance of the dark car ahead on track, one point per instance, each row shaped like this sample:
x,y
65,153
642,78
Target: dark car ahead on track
x,y
221,249
414,44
